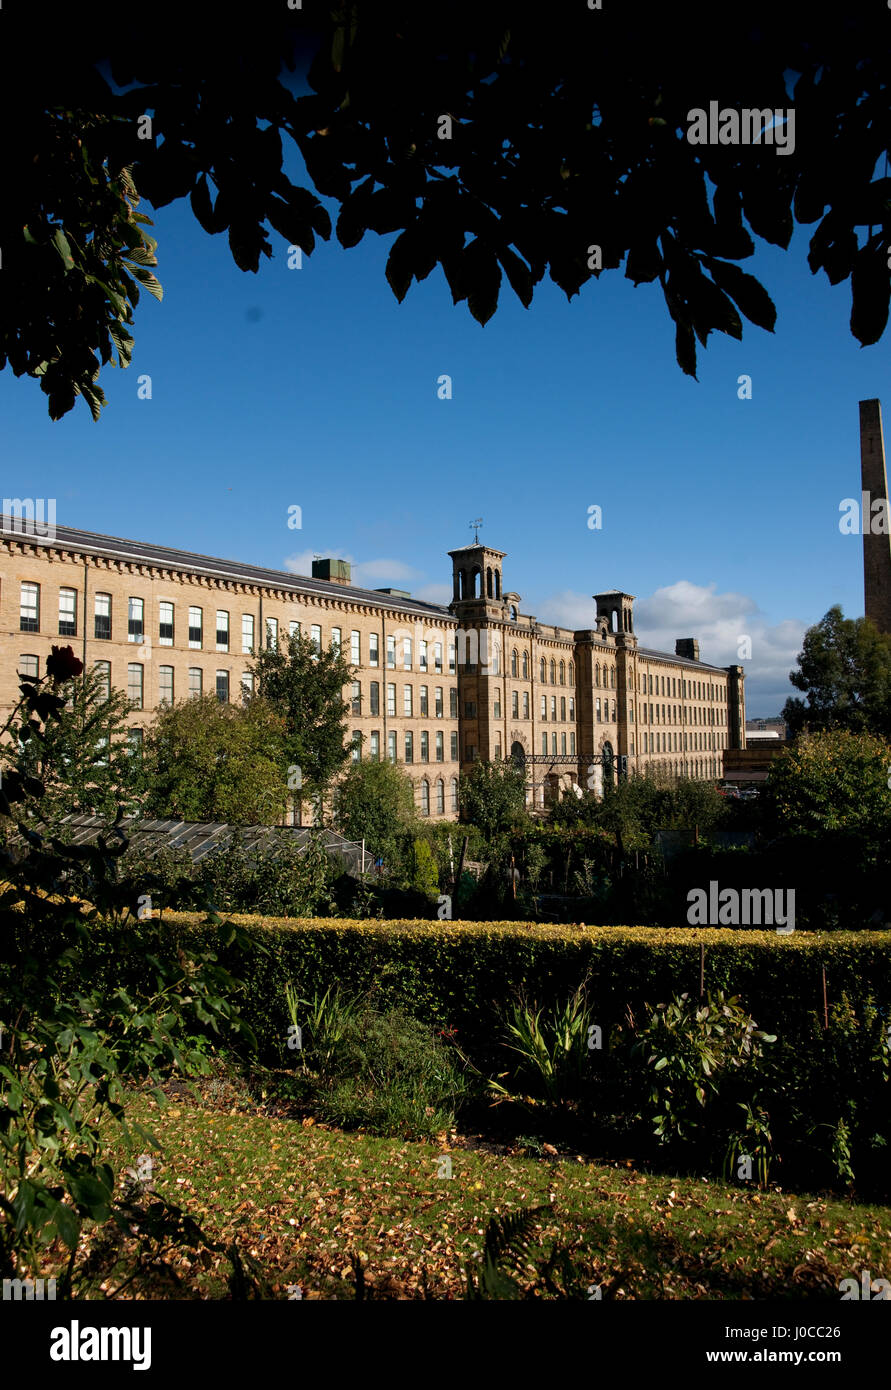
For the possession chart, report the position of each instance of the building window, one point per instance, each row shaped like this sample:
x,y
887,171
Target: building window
x,y
453,746
544,707
544,744
440,754
247,633
515,704
612,678
391,699
526,705
562,672
165,624
572,743
572,673
356,746
374,750
355,648
497,709
452,665
272,634
406,701
470,752
196,626
391,746
391,653
102,617
103,671
293,629
571,707
562,706
554,708
422,655
247,686
135,628
525,666
562,743
315,636
134,742
134,685
425,746
438,705
554,745
454,793
196,683
437,657
165,685
335,639
373,651
470,709
223,687
425,797
356,698
406,653
67,612
374,698
29,665
513,662
440,796
453,702
597,709
542,671
222,631
553,671
424,705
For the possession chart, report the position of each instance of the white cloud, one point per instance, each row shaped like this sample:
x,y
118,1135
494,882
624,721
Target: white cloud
x,y
721,622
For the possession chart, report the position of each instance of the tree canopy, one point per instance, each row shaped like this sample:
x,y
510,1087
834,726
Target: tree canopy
x,y
305,688
844,667
497,142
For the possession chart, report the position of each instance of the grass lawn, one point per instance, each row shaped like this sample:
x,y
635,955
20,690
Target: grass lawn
x,y
306,1203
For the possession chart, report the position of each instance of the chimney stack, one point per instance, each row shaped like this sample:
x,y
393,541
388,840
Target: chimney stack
x,y
876,544
687,647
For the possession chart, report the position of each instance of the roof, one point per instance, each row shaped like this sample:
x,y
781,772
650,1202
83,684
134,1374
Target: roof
x,y
680,660
67,537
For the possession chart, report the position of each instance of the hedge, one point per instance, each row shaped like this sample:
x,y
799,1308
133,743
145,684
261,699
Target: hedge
x,y
460,974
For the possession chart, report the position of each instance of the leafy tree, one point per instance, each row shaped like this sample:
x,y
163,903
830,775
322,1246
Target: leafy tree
x,y
209,761
844,667
492,795
425,877
835,781
305,688
501,145
83,757
375,802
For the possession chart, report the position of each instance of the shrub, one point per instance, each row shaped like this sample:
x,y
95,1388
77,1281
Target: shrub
x,y
552,1045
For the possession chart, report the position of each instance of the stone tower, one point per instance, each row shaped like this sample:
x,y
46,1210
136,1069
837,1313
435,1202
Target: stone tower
x,y
876,542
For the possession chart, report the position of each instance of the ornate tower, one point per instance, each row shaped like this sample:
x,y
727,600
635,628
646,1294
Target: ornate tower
x,y
618,610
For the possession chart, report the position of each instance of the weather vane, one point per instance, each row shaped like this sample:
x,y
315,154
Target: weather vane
x,y
475,526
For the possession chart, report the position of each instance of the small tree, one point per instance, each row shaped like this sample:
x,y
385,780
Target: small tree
x,y
305,688
832,782
845,670
425,876
375,802
492,795
208,761
84,756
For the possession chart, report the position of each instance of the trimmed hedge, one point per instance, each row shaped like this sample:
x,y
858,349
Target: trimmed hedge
x,y
460,974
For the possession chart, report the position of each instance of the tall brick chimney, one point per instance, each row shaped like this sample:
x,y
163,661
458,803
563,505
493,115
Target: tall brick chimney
x,y
876,545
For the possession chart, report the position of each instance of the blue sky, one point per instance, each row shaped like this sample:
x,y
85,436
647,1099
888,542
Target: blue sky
x,y
314,387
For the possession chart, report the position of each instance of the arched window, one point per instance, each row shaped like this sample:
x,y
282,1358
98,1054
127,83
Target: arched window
x,y
498,583
490,592
525,666
425,797
562,672
477,582
440,796
513,662
597,674
454,793
553,671
572,673
542,671
612,677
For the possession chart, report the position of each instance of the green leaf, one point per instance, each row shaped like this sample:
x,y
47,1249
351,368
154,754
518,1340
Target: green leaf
x,y
749,294
60,241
